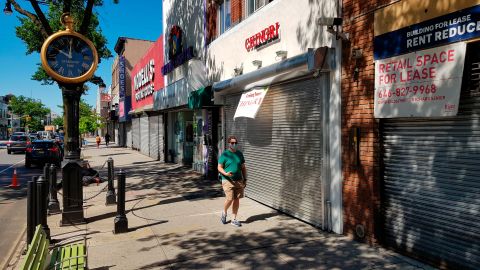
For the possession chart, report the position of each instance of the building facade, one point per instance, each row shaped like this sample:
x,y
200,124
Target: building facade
x,y
188,127
4,121
147,123
410,126
129,51
276,76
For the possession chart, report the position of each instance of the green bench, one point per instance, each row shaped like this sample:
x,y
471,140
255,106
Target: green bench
x,y
73,256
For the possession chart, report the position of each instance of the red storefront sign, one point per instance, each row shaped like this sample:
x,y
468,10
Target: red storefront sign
x,y
147,77
263,37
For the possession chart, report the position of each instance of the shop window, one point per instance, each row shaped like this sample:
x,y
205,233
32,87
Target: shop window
x,y
224,16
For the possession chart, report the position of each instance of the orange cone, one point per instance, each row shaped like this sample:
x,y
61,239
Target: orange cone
x,y
14,180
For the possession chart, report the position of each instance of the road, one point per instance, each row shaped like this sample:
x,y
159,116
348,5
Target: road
x,y
13,202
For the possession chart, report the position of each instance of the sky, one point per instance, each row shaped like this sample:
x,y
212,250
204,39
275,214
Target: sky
x,y
141,19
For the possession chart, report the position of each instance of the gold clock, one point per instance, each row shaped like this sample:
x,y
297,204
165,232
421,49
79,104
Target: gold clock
x,y
68,56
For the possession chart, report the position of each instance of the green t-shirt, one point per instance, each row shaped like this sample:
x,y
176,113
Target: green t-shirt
x,y
232,162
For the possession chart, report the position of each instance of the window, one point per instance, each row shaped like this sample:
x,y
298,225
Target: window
x,y
254,5
224,18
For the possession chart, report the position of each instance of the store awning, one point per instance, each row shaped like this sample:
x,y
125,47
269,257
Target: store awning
x,y
200,98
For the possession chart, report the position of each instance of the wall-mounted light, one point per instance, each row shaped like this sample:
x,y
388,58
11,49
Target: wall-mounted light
x,y
238,70
281,54
257,63
8,8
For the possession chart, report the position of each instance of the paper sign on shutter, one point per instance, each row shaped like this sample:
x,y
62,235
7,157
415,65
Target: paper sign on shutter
x,y
250,103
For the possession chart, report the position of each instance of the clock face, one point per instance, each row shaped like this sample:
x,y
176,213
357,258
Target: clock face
x,y
69,56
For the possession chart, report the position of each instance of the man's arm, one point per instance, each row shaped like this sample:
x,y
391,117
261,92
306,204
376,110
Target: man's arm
x,y
222,171
244,172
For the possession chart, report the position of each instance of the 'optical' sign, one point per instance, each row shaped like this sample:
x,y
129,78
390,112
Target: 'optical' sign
x,y
263,37
143,81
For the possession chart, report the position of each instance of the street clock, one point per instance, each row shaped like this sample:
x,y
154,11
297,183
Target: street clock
x,y
68,56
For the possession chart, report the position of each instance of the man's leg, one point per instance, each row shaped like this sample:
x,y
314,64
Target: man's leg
x,y
236,205
226,205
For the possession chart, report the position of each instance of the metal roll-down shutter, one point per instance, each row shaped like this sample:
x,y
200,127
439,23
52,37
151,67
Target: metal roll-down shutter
x,y
153,121
136,133
144,135
283,148
432,181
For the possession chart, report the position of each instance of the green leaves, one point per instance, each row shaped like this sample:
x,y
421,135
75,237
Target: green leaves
x,y
30,111
30,32
89,120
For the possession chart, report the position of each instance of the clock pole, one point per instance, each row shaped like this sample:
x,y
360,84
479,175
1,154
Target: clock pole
x,y
72,212
62,70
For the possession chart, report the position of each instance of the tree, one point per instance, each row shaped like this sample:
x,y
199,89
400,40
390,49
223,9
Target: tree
x,y
58,121
90,121
31,111
35,28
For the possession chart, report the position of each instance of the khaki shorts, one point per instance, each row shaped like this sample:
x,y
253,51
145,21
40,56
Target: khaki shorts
x,y
233,189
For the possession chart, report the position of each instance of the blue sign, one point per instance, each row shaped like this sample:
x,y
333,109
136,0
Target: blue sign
x,y
460,25
178,60
121,77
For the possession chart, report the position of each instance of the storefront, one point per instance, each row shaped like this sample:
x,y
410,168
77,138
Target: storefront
x,y
147,129
427,101
281,101
185,75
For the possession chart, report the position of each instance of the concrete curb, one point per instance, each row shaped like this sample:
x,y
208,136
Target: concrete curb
x,y
14,250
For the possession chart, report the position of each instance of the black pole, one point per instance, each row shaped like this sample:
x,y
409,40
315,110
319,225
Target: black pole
x,y
121,221
72,212
42,194
111,197
46,171
31,209
53,204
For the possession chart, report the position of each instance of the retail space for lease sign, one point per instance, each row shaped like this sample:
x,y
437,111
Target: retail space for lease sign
x,y
424,83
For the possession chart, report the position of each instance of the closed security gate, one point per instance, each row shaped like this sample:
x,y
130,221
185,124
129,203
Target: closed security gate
x,y
144,136
136,133
128,128
432,181
283,148
153,120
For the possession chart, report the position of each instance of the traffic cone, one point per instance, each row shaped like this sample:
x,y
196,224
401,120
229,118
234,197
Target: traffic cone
x,y
14,180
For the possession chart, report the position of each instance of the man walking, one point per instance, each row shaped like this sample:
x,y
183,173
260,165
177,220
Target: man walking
x,y
231,166
107,139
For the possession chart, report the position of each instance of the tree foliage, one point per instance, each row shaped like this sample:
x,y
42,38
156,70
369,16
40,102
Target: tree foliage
x,y
58,121
30,111
33,34
90,121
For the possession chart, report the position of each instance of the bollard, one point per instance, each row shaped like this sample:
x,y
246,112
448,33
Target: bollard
x,y
31,209
41,198
121,221
46,177
53,204
111,198
46,171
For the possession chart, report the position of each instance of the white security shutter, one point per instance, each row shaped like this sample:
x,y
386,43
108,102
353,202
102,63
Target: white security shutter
x,y
144,135
153,122
283,148
432,181
136,133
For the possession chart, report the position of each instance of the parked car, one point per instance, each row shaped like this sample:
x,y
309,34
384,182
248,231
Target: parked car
x,y
17,143
40,152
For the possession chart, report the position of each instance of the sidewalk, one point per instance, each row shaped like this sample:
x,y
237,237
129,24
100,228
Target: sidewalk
x,y
174,223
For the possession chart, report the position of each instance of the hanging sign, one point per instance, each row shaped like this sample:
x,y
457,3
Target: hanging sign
x,y
250,103
450,28
421,84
